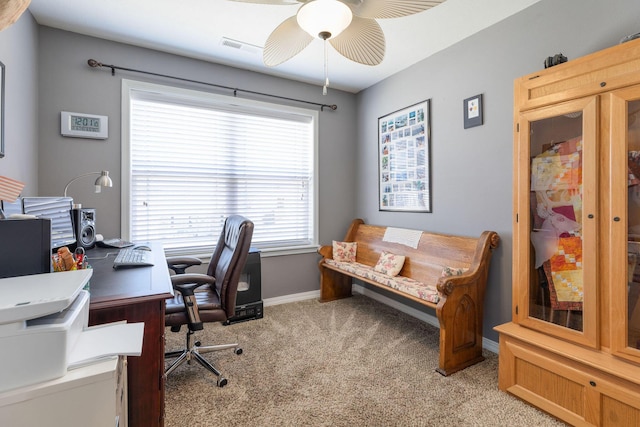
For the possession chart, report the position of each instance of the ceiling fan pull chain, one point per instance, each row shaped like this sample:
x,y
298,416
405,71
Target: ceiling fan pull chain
x,y
326,68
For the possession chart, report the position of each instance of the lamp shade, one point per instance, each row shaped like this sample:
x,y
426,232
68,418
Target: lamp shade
x,y
103,181
324,18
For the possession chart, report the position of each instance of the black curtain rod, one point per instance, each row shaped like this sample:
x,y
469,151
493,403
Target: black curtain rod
x,y
95,64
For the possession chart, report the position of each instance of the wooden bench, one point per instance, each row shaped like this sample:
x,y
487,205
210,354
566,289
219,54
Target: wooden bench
x,y
458,300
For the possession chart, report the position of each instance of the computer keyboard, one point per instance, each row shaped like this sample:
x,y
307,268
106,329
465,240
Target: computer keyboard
x,y
132,257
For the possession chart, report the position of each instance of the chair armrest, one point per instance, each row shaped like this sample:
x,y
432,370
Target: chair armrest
x,y
180,263
186,284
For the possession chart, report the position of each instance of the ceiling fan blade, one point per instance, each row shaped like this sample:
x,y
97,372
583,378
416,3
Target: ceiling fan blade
x,y
362,41
382,9
10,12
285,42
276,2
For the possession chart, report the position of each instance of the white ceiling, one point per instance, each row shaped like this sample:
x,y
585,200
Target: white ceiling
x,y
196,28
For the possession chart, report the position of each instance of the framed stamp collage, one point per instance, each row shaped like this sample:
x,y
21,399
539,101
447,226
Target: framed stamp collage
x,y
404,154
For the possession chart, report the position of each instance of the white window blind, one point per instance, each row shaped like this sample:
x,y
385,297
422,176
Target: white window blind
x,y
197,158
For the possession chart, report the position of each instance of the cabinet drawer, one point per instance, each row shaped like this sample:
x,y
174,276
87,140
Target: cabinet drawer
x,y
566,389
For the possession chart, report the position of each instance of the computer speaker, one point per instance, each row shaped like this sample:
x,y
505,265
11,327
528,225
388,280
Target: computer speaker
x,y
84,225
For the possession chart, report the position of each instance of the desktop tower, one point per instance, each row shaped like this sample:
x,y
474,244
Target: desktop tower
x,y
25,247
249,297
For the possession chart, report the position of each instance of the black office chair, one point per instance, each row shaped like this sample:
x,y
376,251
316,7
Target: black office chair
x,y
210,297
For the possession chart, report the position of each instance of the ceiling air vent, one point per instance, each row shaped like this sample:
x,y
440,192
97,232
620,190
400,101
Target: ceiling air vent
x,y
245,47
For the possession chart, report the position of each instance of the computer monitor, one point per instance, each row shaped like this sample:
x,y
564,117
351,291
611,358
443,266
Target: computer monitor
x,y
10,208
58,210
25,247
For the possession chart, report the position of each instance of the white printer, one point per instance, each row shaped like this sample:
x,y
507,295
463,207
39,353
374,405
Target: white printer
x,y
44,329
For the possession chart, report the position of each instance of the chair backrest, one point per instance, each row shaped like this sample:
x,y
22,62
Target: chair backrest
x,y
229,258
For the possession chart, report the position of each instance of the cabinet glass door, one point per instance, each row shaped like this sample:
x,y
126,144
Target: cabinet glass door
x,y
556,225
625,222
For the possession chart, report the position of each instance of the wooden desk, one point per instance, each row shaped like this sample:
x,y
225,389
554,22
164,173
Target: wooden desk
x,y
136,295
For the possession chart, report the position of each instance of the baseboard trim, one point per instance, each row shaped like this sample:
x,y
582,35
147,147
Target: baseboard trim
x,y
487,344
291,298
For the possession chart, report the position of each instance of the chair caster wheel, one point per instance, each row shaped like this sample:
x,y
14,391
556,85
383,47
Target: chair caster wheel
x,y
222,381
238,350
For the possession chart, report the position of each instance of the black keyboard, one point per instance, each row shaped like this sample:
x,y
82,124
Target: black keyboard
x,y
132,257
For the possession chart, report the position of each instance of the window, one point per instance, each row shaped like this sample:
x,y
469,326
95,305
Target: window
x,y
192,158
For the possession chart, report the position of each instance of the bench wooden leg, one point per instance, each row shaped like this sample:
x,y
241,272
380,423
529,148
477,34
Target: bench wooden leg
x,y
460,335
334,285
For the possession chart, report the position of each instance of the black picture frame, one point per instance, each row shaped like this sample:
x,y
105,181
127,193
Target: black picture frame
x,y
472,111
404,159
1,110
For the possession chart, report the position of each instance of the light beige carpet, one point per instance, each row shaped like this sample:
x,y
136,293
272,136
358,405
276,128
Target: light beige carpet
x,y
353,362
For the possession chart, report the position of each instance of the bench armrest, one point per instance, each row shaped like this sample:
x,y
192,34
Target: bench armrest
x,y
447,285
326,251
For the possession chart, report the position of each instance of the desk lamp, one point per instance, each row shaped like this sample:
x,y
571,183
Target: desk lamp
x,y
102,181
9,191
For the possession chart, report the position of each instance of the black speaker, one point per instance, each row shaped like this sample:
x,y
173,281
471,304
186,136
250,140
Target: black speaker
x,y
84,225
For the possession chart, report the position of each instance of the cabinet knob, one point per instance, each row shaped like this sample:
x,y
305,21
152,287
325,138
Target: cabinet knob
x,y
590,216
592,383
616,218
603,84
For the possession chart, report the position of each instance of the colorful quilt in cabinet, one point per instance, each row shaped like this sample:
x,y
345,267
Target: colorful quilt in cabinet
x,y
556,203
565,275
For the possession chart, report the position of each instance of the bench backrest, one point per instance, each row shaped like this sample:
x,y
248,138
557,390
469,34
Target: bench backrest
x,y
425,263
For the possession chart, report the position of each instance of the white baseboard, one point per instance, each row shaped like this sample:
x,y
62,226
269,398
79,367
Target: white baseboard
x,y
487,344
291,298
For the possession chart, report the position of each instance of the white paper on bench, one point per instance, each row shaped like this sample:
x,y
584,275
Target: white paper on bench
x,y
107,340
403,236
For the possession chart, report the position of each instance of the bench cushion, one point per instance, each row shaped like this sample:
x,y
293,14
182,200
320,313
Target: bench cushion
x,y
424,291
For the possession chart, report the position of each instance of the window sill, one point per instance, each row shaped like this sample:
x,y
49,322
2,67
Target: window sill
x,y
264,253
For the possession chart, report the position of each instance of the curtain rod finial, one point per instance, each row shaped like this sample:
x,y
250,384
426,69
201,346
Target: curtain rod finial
x,y
93,63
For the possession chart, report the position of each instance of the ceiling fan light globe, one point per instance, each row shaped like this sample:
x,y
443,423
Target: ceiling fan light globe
x,y
324,16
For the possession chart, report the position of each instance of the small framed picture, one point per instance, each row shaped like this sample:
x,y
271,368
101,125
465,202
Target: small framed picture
x,y
472,111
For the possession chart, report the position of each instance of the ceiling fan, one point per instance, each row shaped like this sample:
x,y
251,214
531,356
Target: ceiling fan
x,y
348,25
10,11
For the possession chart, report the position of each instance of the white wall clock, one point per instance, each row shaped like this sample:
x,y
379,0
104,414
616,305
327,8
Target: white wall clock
x,y
79,125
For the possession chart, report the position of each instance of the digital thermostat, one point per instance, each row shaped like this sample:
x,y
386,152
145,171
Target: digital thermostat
x,y
81,125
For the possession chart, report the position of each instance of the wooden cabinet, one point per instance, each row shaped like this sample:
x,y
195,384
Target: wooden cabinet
x,y
573,346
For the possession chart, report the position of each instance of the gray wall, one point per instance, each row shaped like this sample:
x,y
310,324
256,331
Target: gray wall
x,y
472,168
19,54
67,83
